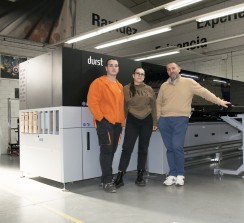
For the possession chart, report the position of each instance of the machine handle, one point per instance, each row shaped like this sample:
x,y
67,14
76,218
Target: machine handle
x,y
88,140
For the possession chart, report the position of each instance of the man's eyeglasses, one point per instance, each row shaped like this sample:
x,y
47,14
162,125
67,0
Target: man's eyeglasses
x,y
139,74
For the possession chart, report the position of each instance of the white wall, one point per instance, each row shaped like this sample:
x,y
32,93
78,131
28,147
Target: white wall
x,y
7,90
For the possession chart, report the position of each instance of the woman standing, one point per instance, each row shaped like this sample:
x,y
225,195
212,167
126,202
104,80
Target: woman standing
x,y
140,108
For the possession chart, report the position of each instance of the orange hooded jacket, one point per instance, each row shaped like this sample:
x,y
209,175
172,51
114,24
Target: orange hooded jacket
x,y
106,100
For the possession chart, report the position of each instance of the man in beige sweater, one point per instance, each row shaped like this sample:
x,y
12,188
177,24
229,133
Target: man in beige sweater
x,y
173,112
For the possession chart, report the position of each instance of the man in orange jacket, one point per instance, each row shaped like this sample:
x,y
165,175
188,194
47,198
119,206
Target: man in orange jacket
x,y
106,103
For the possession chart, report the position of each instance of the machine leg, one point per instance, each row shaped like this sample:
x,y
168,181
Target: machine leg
x,y
22,174
218,172
64,189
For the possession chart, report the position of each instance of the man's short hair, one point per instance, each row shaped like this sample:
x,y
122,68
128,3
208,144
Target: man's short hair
x,y
106,64
174,63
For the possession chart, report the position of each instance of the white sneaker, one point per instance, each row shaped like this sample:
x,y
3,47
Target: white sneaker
x,y
180,180
170,180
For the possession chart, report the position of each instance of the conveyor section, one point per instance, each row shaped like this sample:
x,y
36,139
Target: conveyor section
x,y
237,122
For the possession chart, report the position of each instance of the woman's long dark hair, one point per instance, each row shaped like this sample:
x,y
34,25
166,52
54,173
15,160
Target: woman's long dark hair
x,y
132,84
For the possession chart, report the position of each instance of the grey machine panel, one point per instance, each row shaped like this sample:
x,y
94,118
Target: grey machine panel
x,y
35,82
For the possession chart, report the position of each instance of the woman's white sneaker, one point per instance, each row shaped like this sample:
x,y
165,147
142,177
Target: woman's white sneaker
x,y
180,180
170,180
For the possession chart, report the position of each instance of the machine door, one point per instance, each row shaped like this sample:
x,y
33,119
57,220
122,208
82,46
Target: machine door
x,y
91,151
157,161
229,133
133,160
202,133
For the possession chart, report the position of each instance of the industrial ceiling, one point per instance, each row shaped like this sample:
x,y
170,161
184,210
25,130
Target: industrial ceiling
x,y
10,24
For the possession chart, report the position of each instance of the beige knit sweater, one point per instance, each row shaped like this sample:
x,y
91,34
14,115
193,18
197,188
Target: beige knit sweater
x,y
175,99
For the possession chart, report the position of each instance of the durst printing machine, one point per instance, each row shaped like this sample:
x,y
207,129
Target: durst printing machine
x,y
58,137
58,140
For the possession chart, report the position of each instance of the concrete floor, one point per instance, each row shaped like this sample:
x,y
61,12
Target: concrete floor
x,y
205,198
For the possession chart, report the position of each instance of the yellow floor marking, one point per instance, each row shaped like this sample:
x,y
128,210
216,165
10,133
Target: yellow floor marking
x,y
46,207
62,214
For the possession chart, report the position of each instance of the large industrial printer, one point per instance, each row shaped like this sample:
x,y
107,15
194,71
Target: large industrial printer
x,y
58,140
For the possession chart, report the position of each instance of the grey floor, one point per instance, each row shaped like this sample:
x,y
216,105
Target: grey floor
x,y
204,198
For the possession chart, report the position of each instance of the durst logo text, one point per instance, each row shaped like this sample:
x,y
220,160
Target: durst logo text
x,y
95,62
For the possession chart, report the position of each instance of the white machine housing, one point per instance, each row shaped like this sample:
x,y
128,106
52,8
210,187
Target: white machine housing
x,y
65,147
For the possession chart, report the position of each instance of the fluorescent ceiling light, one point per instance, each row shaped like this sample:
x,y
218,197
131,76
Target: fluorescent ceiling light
x,y
116,25
220,81
179,4
158,55
106,29
117,42
191,76
151,32
82,37
135,37
221,13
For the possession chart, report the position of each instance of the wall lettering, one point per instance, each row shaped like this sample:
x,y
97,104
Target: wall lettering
x,y
214,22
98,21
96,62
198,40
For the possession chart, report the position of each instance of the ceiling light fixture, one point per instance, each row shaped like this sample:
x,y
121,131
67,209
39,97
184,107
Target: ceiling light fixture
x,y
158,55
221,13
105,29
220,81
189,75
117,42
179,4
140,35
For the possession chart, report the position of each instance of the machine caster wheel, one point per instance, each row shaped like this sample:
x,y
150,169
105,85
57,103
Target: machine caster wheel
x,y
218,172
9,152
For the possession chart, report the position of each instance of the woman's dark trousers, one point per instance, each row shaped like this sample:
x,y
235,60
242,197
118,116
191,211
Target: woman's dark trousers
x,y
135,128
